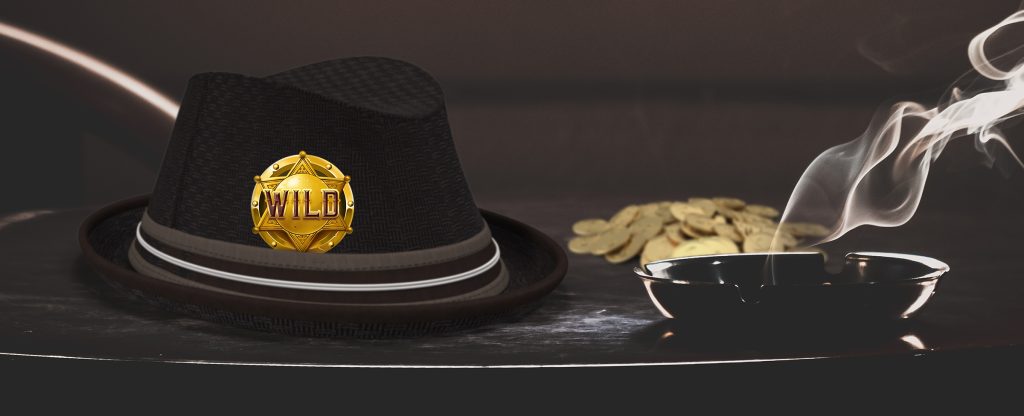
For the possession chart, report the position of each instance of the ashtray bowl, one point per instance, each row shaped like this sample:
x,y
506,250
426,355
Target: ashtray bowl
x,y
871,285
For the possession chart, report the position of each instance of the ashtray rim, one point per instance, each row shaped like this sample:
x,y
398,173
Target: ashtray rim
x,y
938,268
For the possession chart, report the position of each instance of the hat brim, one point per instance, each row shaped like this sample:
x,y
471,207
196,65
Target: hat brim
x,y
535,264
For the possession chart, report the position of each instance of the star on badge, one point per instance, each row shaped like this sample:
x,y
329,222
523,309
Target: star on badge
x,y
302,203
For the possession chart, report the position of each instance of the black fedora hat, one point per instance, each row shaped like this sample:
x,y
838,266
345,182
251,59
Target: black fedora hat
x,y
395,245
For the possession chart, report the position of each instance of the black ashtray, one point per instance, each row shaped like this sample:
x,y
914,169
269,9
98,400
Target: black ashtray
x,y
792,285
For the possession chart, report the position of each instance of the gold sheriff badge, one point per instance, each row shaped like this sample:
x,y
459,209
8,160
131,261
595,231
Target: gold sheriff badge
x,y
302,203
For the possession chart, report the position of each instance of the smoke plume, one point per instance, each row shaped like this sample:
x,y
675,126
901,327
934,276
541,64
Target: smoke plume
x,y
878,178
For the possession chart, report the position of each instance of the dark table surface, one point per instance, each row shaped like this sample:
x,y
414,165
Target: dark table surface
x,y
54,306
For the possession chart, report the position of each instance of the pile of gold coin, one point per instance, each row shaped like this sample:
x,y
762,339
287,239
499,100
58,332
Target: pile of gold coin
x,y
696,227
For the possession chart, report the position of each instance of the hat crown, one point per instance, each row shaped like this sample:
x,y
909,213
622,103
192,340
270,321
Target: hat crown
x,y
380,121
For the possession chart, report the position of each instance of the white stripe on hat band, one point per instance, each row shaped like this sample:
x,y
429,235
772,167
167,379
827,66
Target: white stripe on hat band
x,y
340,262
334,287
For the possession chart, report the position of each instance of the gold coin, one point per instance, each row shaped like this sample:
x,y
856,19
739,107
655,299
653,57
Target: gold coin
x,y
694,248
658,248
786,239
680,210
730,203
610,240
628,251
806,229
706,205
762,210
690,231
674,234
722,245
752,218
702,224
581,245
758,243
665,214
659,230
729,214
645,227
648,210
590,226
624,216
746,229
728,231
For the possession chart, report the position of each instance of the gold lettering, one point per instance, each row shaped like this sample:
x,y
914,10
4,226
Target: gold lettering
x,y
309,213
331,203
275,202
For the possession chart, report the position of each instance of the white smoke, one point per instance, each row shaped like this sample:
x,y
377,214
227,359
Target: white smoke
x,y
878,178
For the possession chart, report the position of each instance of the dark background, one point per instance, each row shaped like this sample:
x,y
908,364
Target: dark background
x,y
549,100
560,110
